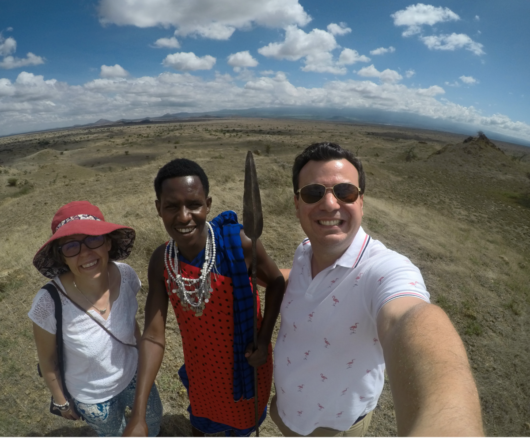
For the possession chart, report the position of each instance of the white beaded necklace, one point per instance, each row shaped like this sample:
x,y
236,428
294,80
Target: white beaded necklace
x,y
194,293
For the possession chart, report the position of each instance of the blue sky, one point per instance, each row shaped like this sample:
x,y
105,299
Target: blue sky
x,y
69,62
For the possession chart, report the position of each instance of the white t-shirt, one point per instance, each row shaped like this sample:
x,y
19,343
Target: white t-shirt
x,y
328,362
97,367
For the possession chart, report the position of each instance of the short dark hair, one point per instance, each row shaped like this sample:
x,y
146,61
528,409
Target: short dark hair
x,y
177,168
326,152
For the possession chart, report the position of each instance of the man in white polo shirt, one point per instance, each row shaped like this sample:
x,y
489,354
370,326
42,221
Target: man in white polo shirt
x,y
352,307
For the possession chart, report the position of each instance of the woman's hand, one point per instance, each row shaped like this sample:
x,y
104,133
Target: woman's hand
x,y
70,414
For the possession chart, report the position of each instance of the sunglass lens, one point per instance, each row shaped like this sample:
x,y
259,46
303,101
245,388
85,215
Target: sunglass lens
x,y
71,249
346,192
312,193
94,242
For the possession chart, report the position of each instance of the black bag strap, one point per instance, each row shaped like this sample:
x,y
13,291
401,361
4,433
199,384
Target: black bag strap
x,y
93,319
58,334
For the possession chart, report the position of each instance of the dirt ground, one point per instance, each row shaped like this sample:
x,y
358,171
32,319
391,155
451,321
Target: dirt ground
x,y
460,211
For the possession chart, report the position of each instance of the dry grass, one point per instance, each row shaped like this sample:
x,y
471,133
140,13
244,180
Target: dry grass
x,y
469,235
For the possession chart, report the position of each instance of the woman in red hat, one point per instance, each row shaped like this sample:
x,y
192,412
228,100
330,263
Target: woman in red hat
x,y
99,329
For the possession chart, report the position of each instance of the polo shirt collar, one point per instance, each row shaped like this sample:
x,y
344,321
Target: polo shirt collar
x,y
355,251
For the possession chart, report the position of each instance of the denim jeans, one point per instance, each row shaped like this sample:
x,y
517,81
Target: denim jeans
x,y
108,418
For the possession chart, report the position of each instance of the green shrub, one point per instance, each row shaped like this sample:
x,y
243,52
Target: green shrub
x,y
12,182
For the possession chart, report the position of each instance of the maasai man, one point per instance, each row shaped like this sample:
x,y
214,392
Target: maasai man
x,y
203,272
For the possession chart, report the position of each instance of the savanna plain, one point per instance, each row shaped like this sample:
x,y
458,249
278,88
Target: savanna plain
x,y
457,206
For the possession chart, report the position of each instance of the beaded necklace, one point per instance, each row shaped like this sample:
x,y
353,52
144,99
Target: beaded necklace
x,y
194,293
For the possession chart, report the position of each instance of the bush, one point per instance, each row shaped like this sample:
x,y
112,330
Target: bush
x,y
12,182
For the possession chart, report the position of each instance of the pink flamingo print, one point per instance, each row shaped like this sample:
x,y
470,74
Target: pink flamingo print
x,y
311,316
324,378
307,354
344,392
368,371
353,328
361,397
283,392
299,413
376,341
380,280
326,342
288,362
287,306
350,363
339,414
335,300
300,387
284,336
294,326
320,407
333,281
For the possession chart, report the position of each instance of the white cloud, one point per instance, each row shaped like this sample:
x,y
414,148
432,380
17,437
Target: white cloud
x,y
388,76
382,51
31,103
113,71
167,43
12,62
453,42
205,18
410,73
188,61
349,56
315,47
338,29
416,16
470,80
298,44
477,18
7,46
242,59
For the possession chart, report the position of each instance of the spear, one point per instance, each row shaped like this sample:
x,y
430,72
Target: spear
x,y
253,226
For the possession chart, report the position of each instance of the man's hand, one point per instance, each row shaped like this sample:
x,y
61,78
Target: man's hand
x,y
136,427
258,357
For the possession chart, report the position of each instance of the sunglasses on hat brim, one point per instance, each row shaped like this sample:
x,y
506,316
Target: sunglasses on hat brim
x,y
343,192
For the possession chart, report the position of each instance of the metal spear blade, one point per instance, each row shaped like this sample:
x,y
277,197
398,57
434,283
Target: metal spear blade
x,y
252,214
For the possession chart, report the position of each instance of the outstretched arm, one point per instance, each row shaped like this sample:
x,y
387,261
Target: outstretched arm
x,y
269,274
433,389
152,343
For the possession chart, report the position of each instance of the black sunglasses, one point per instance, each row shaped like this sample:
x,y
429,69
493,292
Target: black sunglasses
x,y
73,248
344,192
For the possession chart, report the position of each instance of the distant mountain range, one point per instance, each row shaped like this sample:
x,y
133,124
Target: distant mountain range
x,y
363,116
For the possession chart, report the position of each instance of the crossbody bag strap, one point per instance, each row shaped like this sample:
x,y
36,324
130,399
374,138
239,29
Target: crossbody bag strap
x,y
93,319
52,290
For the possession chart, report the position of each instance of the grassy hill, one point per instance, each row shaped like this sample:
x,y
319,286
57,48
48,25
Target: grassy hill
x,y
459,210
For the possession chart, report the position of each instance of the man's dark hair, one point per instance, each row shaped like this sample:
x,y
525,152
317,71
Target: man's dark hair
x,y
326,152
180,167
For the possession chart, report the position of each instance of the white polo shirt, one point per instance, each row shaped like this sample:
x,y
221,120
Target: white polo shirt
x,y
328,362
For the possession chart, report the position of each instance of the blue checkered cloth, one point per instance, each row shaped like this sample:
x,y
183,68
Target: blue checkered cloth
x,y
230,262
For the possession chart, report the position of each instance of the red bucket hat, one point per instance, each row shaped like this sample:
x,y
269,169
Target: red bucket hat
x,y
80,217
